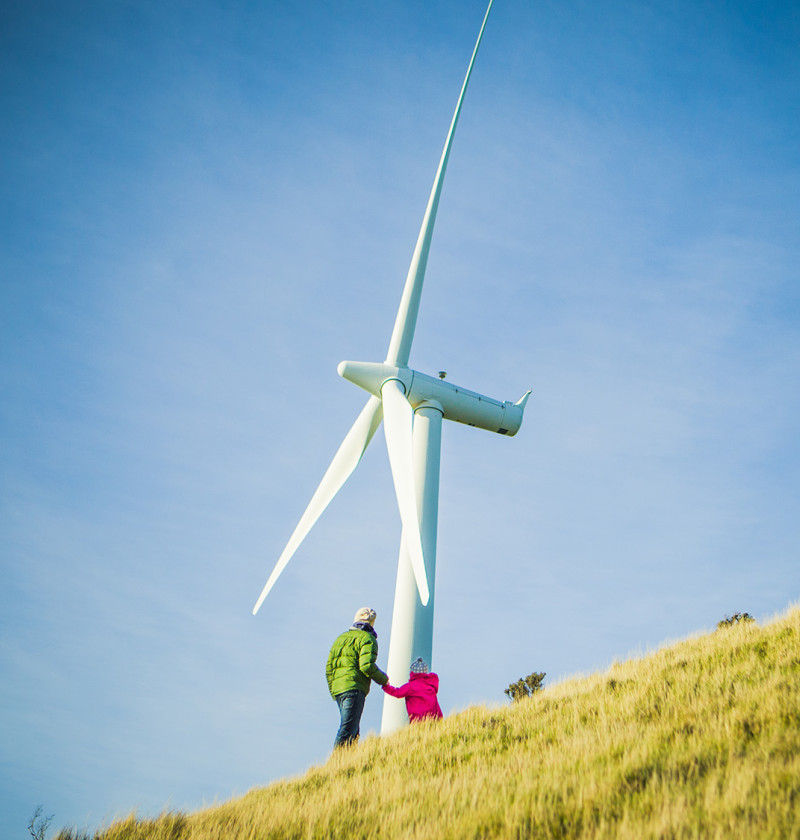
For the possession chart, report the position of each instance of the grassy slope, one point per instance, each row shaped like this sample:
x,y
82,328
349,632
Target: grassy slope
x,y
700,739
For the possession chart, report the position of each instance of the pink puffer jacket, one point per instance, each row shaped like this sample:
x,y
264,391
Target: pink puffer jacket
x,y
420,694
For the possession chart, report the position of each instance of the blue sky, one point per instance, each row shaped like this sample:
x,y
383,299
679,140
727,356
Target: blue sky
x,y
207,206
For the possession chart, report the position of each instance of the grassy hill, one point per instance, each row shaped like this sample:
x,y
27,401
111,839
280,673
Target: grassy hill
x,y
700,739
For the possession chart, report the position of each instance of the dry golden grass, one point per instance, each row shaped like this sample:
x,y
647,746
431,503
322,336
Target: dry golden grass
x,y
698,740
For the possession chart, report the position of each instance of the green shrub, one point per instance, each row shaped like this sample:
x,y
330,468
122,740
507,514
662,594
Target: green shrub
x,y
736,618
525,686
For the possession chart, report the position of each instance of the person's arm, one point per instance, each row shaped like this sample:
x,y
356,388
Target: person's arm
x,y
367,657
397,691
329,671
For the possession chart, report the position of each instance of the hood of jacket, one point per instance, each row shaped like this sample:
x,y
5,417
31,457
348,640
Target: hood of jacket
x,y
427,679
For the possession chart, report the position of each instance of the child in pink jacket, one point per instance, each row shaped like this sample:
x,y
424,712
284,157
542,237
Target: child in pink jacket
x,y
420,692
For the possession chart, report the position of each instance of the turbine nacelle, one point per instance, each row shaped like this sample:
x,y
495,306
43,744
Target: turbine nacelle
x,y
458,404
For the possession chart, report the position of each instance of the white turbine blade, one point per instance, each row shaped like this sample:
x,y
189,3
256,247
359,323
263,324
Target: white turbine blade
x,y
343,464
406,321
398,417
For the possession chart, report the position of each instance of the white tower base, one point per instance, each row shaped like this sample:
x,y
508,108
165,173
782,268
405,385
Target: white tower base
x,y
412,624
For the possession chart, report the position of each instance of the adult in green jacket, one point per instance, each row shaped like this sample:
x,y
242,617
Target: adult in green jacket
x,y
350,667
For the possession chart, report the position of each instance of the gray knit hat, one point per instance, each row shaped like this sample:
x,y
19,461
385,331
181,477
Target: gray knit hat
x,y
418,666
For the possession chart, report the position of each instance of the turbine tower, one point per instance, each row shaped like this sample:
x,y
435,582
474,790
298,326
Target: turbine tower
x,y
412,406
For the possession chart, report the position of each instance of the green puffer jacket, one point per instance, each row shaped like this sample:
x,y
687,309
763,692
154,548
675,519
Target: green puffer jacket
x,y
351,662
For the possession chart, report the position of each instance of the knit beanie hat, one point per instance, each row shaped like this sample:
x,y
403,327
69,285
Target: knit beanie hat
x,y
367,615
418,666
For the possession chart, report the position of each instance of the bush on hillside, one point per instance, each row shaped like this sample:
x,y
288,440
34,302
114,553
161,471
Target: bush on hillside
x,y
525,686
39,824
736,618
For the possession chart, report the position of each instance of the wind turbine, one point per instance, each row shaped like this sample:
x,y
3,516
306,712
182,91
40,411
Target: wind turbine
x,y
412,406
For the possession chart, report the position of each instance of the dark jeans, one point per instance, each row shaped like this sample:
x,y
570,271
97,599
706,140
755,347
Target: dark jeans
x,y
351,705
